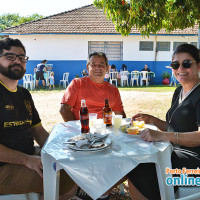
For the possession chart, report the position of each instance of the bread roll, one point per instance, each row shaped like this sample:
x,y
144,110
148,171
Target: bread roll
x,y
133,130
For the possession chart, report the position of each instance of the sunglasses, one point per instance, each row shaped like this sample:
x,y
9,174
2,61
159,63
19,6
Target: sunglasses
x,y
186,64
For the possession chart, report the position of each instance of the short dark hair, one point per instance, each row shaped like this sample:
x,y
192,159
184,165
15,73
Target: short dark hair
x,y
7,43
113,66
188,48
124,67
44,61
100,54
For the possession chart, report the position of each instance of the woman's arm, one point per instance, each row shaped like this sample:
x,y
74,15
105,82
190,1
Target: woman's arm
x,y
149,119
188,139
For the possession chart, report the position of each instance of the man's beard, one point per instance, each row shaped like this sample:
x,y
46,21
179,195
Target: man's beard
x,y
14,74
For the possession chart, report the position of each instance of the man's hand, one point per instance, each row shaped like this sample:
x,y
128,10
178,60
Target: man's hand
x,y
34,162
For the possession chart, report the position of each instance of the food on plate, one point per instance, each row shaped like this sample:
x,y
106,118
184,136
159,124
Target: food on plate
x,y
124,127
139,124
77,138
98,144
133,130
82,142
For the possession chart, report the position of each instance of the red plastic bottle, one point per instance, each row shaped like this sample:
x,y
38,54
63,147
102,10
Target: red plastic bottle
x,y
84,117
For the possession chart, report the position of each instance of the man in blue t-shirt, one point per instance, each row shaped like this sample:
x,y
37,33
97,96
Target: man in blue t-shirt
x,y
40,73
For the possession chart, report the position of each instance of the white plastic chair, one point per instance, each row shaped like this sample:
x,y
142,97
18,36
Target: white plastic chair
x,y
34,80
65,80
144,77
134,77
113,77
28,196
47,75
124,78
28,81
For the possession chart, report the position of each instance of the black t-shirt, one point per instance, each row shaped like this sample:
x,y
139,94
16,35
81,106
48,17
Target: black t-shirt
x,y
17,115
185,117
40,67
148,70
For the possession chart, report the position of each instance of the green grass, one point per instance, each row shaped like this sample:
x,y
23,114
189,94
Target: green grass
x,y
42,90
152,88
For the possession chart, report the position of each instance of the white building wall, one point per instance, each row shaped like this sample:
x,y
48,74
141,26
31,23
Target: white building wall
x,y
75,47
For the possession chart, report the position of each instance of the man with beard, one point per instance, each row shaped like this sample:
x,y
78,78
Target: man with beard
x,y
20,125
93,89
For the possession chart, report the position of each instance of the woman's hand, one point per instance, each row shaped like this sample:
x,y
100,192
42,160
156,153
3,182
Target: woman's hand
x,y
150,135
148,119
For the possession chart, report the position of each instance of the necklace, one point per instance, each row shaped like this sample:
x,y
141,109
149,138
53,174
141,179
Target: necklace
x,y
180,100
183,97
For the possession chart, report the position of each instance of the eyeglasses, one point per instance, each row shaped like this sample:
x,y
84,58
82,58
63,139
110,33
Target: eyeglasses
x,y
13,57
186,64
102,66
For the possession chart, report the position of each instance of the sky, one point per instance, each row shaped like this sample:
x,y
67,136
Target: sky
x,y
41,7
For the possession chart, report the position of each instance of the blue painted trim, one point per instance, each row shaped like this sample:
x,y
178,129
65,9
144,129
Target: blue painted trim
x,y
95,34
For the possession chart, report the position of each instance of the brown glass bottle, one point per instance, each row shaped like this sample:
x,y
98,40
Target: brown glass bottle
x,y
107,113
84,117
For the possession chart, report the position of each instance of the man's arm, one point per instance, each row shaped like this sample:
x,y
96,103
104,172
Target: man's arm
x,y
120,113
40,135
66,113
15,157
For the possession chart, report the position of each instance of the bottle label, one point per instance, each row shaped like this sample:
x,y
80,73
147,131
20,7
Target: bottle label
x,y
108,118
84,117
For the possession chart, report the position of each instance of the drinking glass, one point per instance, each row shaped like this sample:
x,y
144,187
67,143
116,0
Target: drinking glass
x,y
92,119
117,121
99,127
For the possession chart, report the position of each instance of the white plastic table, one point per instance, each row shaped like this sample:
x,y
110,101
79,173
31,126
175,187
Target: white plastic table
x,y
96,172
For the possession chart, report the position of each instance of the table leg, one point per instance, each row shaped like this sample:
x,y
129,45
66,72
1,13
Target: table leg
x,y
167,192
51,178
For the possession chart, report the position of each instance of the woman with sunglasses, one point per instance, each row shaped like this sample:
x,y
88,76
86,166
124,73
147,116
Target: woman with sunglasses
x,y
181,128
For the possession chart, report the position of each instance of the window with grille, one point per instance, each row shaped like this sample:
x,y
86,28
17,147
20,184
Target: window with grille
x,y
163,46
176,44
113,50
194,43
146,46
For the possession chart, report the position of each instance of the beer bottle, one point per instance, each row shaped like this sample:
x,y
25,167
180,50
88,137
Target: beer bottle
x,y
107,114
84,117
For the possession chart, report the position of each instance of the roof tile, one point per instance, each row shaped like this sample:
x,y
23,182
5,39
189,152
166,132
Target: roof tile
x,y
85,20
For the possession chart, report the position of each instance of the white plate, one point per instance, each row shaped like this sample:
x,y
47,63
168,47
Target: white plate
x,y
128,125
107,143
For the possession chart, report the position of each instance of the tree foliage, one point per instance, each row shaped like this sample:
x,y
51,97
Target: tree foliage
x,y
8,20
150,16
